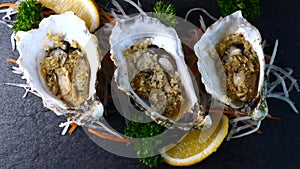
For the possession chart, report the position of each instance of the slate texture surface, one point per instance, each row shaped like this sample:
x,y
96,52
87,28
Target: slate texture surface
x,y
30,136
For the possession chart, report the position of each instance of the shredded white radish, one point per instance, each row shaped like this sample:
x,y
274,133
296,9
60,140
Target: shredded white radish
x,y
274,84
273,57
264,43
200,9
65,125
112,11
281,76
120,9
282,82
286,99
25,86
6,24
284,72
235,129
139,4
136,6
202,23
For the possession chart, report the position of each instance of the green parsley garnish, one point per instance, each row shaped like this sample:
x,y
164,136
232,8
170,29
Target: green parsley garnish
x,y
165,12
145,147
29,15
164,7
250,8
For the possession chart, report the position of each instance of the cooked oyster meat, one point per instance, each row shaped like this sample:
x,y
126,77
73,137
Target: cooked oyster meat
x,y
65,70
152,79
241,67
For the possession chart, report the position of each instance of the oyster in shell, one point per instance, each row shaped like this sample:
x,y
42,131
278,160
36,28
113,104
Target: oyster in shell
x,y
231,61
60,61
151,69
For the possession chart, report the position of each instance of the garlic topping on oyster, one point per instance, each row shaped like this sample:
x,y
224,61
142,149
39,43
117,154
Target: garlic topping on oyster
x,y
66,71
60,61
231,62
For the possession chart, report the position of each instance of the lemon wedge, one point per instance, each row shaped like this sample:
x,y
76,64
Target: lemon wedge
x,y
191,150
85,9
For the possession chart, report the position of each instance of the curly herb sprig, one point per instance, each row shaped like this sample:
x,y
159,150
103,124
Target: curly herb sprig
x,y
164,7
145,147
29,15
250,8
165,12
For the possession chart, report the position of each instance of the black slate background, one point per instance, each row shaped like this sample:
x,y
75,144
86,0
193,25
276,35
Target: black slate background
x,y
30,136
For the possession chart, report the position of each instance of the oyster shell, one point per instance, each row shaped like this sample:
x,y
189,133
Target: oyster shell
x,y
151,69
60,61
231,61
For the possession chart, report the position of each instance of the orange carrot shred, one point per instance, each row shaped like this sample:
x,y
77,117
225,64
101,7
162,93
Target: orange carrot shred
x,y
12,60
49,12
121,140
267,60
267,45
228,112
111,20
73,127
272,117
9,5
195,70
111,110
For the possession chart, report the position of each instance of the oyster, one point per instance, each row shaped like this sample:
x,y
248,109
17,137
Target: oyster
x,y
60,63
151,69
231,61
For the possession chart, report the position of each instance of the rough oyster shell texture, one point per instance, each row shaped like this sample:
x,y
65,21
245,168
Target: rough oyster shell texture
x,y
230,56
143,44
31,46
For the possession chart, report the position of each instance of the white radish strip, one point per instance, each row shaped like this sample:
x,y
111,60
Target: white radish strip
x,y
136,6
65,125
286,93
139,4
293,80
202,23
273,57
247,133
240,119
200,9
118,6
288,100
274,84
6,24
115,16
264,43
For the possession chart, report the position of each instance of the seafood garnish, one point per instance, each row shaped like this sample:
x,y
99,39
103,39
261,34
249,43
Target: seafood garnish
x,y
60,63
151,69
232,65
